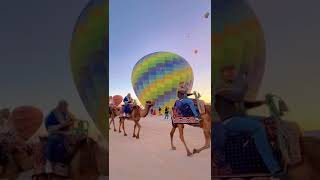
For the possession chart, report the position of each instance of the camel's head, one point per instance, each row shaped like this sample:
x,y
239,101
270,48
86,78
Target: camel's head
x,y
118,109
135,107
149,103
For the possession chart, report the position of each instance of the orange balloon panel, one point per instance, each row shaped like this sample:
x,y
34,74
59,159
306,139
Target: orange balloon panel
x,y
26,120
117,99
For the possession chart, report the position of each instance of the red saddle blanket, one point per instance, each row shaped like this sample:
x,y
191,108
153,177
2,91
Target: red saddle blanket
x,y
179,119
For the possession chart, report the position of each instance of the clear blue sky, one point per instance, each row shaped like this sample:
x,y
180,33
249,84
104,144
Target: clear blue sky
x,y
140,27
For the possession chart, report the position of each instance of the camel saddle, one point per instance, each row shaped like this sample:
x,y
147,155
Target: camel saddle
x,y
184,115
61,168
242,157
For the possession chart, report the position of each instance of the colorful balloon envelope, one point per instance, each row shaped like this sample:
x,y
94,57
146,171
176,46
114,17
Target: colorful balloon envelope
x,y
117,99
156,77
26,120
89,60
238,40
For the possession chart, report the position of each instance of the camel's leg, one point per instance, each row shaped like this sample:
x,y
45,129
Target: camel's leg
x,y
120,122
124,131
206,144
134,130
114,125
139,127
180,127
171,137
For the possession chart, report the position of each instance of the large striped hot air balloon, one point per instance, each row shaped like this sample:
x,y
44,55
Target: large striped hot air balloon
x,y
89,60
238,40
156,77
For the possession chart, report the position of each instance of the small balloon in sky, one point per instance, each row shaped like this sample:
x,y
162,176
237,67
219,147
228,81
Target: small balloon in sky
x,y
157,76
206,15
196,51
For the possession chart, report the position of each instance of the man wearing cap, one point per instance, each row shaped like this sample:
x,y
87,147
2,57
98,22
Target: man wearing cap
x,y
231,106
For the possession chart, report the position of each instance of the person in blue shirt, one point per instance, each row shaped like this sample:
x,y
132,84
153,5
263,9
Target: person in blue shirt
x,y
127,102
58,124
183,99
231,105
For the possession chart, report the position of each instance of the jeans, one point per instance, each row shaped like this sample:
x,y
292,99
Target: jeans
x,y
166,116
246,124
191,105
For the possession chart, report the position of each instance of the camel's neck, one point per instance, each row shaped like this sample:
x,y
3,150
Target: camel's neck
x,y
144,112
115,112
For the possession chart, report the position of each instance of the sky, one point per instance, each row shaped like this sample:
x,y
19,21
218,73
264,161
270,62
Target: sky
x,y
292,56
141,27
34,52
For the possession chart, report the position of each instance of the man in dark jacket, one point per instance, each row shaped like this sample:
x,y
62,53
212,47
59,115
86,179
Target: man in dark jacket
x,y
230,106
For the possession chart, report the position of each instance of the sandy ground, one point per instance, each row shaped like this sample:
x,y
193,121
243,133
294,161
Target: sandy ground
x,y
150,157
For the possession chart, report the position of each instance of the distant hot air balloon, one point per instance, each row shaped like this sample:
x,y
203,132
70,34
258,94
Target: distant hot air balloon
x,y
26,120
157,76
196,51
206,15
89,60
117,99
238,40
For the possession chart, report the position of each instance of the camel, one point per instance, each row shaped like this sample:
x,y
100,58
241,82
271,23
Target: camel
x,y
309,169
18,161
136,115
205,124
113,113
88,163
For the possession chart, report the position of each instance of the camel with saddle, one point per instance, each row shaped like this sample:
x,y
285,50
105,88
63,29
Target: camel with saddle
x,y
86,158
296,154
136,114
178,121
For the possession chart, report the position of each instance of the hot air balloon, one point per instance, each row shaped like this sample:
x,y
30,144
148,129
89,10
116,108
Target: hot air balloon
x,y
117,99
206,15
196,51
89,60
157,76
238,40
26,120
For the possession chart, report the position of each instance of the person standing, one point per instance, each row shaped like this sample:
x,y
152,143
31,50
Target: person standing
x,y
159,111
166,112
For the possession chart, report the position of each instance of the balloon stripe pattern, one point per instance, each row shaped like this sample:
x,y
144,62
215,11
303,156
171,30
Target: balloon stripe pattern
x,y
238,40
157,76
88,58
